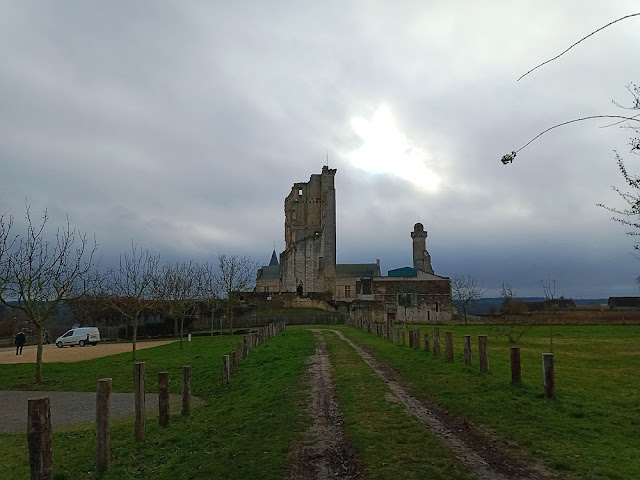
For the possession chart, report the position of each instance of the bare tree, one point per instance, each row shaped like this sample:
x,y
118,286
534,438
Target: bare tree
x,y
38,274
236,274
466,290
630,121
209,288
549,290
177,285
129,287
513,323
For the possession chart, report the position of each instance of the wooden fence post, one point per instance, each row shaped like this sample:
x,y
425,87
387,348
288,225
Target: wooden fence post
x,y
139,375
436,341
416,339
483,352
39,438
103,416
467,349
404,337
516,375
163,399
448,352
549,376
234,361
226,367
426,342
186,389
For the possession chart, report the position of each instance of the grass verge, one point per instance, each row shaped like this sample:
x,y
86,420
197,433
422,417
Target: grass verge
x,y
244,430
391,443
589,431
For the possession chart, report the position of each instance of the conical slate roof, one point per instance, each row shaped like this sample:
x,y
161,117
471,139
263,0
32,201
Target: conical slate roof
x,y
274,259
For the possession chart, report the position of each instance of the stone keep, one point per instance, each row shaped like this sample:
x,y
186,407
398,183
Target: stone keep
x,y
308,263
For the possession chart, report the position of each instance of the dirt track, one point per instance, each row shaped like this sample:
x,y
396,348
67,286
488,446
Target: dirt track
x,y
51,353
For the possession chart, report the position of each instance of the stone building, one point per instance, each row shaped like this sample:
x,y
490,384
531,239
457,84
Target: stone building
x,y
308,264
412,294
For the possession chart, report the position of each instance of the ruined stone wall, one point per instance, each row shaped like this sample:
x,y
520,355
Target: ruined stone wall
x,y
310,235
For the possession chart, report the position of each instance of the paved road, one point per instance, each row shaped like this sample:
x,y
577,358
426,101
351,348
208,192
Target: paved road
x,y
75,408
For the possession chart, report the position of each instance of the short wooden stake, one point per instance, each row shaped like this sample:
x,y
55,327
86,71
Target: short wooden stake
x,y
186,389
483,352
467,349
236,360
436,341
416,339
39,438
163,399
549,376
103,416
426,342
139,375
226,368
516,374
448,352
404,337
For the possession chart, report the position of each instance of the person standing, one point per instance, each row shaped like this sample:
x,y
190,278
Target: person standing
x,y
20,341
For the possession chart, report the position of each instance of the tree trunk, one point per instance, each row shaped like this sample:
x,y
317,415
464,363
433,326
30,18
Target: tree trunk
x,y
39,353
181,331
135,337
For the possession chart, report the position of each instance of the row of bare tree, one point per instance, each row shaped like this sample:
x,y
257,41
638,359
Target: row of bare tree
x,y
39,273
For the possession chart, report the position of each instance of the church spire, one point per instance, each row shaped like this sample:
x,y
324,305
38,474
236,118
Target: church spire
x,y
274,259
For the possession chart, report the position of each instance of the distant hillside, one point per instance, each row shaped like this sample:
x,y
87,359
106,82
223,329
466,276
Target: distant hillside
x,y
485,306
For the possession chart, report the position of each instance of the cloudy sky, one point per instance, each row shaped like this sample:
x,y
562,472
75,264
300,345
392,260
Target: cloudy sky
x,y
182,125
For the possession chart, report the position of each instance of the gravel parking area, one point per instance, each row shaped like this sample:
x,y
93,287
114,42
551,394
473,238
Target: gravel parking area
x,y
51,353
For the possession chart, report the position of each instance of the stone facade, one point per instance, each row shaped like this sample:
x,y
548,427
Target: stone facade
x,y
412,295
308,265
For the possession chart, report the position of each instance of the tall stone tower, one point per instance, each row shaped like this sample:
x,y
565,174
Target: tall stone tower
x,y
308,263
421,258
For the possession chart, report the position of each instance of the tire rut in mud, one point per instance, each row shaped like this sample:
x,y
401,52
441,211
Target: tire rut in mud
x,y
483,459
325,453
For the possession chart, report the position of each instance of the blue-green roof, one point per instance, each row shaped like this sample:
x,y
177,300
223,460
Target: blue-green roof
x,y
403,272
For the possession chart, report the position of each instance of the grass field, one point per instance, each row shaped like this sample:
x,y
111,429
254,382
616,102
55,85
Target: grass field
x,y
245,430
589,432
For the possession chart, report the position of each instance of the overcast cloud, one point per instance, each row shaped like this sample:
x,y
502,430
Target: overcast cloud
x,y
183,125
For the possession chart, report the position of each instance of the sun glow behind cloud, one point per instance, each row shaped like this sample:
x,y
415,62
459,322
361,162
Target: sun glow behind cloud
x,y
386,150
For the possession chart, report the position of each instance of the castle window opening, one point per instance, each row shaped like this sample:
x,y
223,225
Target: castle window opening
x,y
347,291
299,192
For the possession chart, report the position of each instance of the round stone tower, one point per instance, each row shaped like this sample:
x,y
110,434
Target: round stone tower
x,y
421,258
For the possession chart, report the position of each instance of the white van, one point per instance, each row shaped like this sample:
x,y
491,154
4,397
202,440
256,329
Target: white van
x,y
79,336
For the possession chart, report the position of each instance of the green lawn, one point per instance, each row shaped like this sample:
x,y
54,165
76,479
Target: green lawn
x,y
590,431
243,431
390,443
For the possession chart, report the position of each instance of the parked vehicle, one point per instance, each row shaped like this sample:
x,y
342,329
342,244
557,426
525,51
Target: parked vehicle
x,y
79,336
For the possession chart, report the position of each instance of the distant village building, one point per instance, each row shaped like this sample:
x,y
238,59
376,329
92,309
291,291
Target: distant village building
x,y
551,304
308,264
624,303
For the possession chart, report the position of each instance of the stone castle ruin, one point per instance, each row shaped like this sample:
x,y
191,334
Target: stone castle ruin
x,y
308,265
